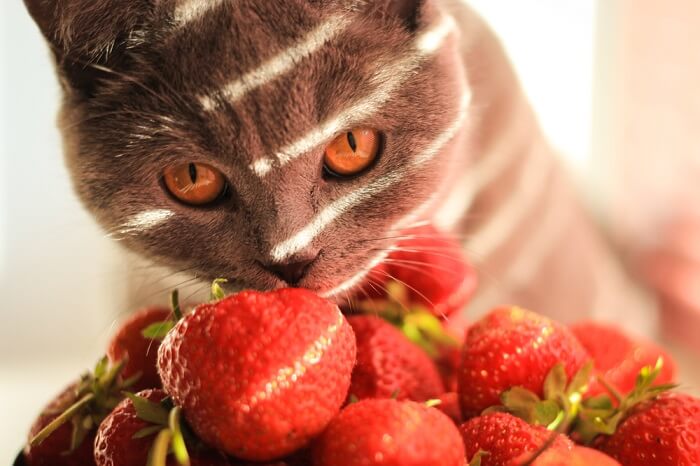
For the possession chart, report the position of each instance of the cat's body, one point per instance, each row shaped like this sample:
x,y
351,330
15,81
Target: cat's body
x,y
258,89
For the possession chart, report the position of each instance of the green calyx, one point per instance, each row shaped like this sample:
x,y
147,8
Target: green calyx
x,y
602,414
165,422
158,330
416,322
217,290
476,460
560,406
97,393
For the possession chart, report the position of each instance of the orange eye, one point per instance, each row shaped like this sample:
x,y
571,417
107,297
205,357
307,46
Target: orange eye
x,y
352,152
194,183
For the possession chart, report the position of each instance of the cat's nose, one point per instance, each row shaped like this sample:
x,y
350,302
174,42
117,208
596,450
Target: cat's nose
x,y
292,272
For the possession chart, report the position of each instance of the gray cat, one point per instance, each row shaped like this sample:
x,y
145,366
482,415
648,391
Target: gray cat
x,y
214,135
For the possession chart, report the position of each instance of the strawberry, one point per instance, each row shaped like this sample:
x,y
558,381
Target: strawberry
x,y
139,353
578,456
258,375
389,433
511,347
388,365
449,404
132,430
433,268
501,438
664,432
51,452
63,433
618,358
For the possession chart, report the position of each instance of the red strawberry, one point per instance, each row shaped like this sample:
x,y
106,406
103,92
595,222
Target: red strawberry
x,y
618,358
503,438
138,352
258,375
51,452
432,266
449,404
68,423
512,347
389,433
388,365
663,432
120,440
578,456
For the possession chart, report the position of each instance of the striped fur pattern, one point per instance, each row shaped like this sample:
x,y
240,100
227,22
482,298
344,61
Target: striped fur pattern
x,y
258,89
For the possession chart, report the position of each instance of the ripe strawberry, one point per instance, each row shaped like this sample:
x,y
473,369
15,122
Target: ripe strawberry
x,y
512,347
431,265
138,352
578,456
449,404
258,375
618,358
389,433
664,432
388,365
124,438
63,433
503,438
51,452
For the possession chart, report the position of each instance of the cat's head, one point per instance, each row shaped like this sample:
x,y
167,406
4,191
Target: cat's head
x,y
218,135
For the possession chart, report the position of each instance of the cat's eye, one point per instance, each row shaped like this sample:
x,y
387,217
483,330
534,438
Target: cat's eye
x,y
352,152
194,183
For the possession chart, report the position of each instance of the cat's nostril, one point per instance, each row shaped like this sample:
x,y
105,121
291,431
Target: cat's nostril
x,y
291,272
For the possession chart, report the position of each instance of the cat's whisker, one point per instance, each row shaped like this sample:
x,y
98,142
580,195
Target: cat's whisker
x,y
420,266
389,77
355,279
418,292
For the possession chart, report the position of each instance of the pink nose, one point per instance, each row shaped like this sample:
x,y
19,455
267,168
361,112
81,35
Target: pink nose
x,y
291,272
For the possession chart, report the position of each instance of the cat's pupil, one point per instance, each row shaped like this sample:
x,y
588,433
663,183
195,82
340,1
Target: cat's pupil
x,y
352,141
193,173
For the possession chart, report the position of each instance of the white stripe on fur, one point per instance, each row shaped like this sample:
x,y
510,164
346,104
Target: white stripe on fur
x,y
280,63
386,80
145,221
528,260
191,10
521,202
340,206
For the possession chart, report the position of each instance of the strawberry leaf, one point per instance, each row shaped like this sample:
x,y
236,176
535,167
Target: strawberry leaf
x,y
147,431
158,330
149,411
521,402
217,291
476,460
547,412
555,383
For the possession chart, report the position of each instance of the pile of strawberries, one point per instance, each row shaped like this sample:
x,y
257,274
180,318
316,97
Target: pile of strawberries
x,y
285,378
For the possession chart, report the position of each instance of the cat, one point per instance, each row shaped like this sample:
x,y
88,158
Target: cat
x,y
197,132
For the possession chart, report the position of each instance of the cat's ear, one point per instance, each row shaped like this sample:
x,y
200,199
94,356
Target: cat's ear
x,y
88,37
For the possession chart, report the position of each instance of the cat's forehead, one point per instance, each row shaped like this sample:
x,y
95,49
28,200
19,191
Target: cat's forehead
x,y
269,71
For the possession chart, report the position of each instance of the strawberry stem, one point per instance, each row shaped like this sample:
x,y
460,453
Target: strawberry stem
x,y
175,304
61,419
178,441
612,390
158,454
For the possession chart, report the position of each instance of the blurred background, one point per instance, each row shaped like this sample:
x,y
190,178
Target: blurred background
x,y
614,83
